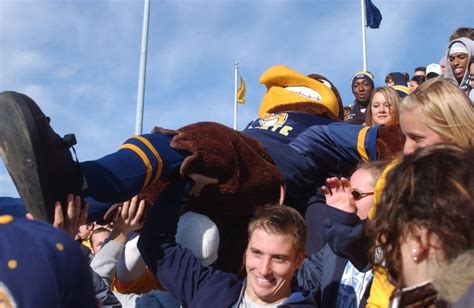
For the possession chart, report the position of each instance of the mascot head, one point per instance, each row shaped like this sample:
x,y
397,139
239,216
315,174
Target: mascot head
x,y
288,90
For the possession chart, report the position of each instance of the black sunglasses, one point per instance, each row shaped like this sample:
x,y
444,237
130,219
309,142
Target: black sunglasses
x,y
359,195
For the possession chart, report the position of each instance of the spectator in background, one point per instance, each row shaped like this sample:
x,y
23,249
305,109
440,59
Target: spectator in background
x,y
420,71
394,78
97,238
458,33
362,86
83,234
347,112
415,82
399,82
433,70
442,65
383,107
459,55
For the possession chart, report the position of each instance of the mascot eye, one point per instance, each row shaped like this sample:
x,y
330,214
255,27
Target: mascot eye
x,y
326,83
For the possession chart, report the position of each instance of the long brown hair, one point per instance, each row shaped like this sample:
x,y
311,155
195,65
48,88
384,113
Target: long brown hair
x,y
427,188
393,101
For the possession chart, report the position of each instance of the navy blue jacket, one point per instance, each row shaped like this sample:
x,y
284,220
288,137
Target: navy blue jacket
x,y
322,273
345,235
182,274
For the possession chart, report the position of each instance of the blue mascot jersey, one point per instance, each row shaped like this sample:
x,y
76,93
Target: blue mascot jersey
x,y
307,148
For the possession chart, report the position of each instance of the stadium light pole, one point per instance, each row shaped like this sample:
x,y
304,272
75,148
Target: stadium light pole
x,y
142,73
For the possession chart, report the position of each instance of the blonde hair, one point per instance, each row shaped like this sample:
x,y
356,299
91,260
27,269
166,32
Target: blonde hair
x,y
393,101
447,110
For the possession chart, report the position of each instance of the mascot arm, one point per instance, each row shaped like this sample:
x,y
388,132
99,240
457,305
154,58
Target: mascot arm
x,y
339,143
245,173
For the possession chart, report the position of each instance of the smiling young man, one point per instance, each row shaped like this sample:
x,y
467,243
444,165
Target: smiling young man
x,y
275,250
362,86
459,55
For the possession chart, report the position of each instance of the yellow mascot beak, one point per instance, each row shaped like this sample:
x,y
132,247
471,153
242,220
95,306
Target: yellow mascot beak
x,y
286,86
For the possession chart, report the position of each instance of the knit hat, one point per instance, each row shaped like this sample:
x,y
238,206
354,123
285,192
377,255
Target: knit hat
x,y
363,75
199,234
286,86
400,84
41,266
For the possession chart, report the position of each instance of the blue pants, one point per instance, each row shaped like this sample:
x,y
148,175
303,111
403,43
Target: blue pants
x,y
140,161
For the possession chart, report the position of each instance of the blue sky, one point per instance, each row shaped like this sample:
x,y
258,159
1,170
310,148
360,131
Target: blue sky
x,y
79,60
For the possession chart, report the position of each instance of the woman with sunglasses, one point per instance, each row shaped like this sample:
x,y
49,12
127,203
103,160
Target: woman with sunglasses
x,y
340,282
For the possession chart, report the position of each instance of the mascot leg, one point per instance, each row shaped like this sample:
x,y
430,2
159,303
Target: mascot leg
x,y
140,162
44,171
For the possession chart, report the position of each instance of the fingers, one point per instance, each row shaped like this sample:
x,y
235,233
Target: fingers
x,y
137,218
77,212
346,184
117,215
126,206
133,207
73,211
333,184
58,221
325,190
83,213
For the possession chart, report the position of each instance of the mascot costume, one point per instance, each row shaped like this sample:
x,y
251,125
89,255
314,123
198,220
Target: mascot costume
x,y
295,144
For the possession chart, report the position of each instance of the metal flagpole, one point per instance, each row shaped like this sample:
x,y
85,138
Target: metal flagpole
x,y
236,75
364,50
142,74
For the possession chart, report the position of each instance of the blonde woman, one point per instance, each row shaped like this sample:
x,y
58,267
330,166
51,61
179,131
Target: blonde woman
x,y
438,112
383,107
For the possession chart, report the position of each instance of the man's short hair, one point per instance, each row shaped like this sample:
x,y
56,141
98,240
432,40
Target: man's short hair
x,y
420,68
281,220
462,32
96,231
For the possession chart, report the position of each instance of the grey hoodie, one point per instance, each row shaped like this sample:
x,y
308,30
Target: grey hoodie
x,y
469,44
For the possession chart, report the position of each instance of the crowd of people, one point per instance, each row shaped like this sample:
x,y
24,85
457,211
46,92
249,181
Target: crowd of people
x,y
311,205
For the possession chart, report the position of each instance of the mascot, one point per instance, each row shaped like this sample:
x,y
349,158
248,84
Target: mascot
x,y
283,156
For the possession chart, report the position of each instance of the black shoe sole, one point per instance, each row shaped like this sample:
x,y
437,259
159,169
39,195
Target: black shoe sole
x,y
20,149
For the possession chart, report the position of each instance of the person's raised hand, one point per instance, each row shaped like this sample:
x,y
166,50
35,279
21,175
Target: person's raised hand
x,y
75,215
129,216
338,193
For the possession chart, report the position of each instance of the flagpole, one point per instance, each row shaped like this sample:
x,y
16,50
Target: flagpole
x,y
364,50
236,74
142,73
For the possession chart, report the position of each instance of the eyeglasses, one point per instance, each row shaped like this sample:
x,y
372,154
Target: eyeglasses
x,y
359,195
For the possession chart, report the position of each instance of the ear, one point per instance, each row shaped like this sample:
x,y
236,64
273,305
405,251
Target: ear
x,y
300,258
418,241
